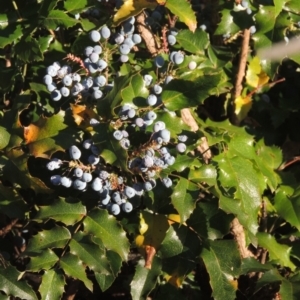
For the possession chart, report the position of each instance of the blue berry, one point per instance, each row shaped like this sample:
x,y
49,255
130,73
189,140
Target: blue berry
x,y
94,57
115,209
119,38
167,182
171,39
148,186
86,177
78,172
148,79
150,115
95,36
127,207
192,65
125,143
124,58
97,184
118,135
105,32
129,192
55,179
159,125
136,38
65,181
67,80
56,95
181,147
47,79
93,160
124,49
52,71
252,29
165,134
100,81
97,94
157,89
151,100
79,184
65,92
97,49
74,152
102,64
178,58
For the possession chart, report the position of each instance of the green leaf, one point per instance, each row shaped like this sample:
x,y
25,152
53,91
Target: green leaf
x,y
7,78
58,18
184,198
11,203
104,226
90,253
73,267
191,90
57,237
277,252
48,135
250,264
28,50
288,206
242,145
4,137
52,286
135,92
46,7
75,6
269,277
113,153
10,34
66,212
195,42
144,279
45,260
182,9
115,261
223,262
238,176
205,174
11,285
209,221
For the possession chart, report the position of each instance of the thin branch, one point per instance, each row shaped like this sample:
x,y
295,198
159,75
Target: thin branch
x,y
242,64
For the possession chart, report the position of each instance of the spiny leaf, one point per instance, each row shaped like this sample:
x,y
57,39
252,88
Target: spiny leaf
x,y
73,267
242,107
144,280
90,253
52,286
222,261
184,198
255,76
237,175
115,261
58,18
11,285
82,116
278,252
57,237
48,135
60,210
44,260
132,8
182,9
193,42
104,226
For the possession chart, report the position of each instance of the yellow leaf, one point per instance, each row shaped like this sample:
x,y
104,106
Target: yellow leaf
x,y
83,115
255,76
133,7
242,107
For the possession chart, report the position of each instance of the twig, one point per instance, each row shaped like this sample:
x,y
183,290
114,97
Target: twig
x,y
147,35
4,231
242,64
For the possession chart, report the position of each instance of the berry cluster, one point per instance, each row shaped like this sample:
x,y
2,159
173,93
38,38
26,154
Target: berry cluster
x,y
91,173
158,152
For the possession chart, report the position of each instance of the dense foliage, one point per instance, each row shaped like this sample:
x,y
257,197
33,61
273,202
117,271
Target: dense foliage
x,y
149,150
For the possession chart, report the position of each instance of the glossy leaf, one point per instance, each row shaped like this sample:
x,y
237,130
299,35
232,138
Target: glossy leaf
x,y
75,6
73,267
28,50
10,284
52,286
90,253
44,261
182,9
277,252
195,43
205,174
144,280
48,135
104,226
132,8
184,198
115,261
239,174
57,237
222,261
255,76
60,210
58,18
